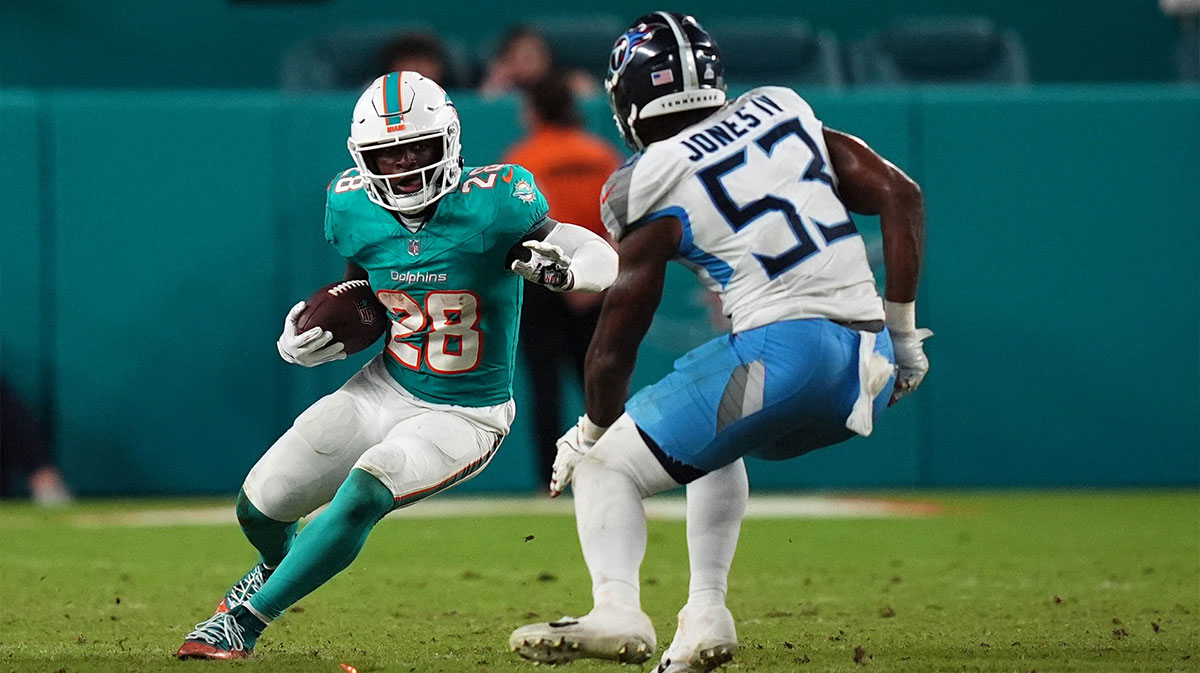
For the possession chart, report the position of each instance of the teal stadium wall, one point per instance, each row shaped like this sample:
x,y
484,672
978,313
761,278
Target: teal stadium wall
x,y
231,43
153,240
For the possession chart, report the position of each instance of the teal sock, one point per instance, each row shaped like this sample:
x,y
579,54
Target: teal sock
x,y
271,538
327,545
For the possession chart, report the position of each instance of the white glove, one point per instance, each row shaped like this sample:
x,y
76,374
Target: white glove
x,y
572,447
309,349
907,342
547,265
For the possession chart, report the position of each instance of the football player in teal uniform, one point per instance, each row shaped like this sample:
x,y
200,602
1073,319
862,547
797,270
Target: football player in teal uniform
x,y
439,244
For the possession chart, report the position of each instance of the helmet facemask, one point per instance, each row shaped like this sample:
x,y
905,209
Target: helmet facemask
x,y
410,190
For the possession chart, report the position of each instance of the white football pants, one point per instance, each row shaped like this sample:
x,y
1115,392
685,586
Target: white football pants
x,y
416,448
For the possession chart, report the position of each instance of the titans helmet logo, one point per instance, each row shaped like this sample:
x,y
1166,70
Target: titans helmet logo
x,y
625,46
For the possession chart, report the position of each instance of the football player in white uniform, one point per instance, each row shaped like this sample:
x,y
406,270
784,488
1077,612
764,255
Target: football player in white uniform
x,y
754,195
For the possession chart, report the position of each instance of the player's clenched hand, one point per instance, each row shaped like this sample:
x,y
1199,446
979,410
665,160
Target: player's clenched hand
x,y
911,363
907,342
309,349
548,265
572,447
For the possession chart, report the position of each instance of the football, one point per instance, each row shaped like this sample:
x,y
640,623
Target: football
x,y
347,308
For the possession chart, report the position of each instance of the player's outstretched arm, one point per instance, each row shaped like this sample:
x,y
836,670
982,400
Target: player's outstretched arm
x,y
565,257
872,185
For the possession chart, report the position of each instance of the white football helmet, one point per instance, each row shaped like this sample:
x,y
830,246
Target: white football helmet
x,y
400,108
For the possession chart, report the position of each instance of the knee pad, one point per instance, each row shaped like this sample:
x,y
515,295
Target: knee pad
x,y
622,449
427,455
252,519
247,513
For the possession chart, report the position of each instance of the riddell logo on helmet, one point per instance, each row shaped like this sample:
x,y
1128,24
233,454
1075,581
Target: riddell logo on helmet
x,y
418,277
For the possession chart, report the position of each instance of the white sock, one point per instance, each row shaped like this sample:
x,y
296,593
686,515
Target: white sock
x,y
612,532
609,485
261,617
716,504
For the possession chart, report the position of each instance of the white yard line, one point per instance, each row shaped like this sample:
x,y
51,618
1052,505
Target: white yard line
x,y
667,508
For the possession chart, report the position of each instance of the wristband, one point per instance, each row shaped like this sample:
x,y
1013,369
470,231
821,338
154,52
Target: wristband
x,y
900,317
590,430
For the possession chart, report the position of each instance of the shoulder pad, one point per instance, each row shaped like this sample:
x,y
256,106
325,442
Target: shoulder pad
x,y
513,202
344,186
614,198
785,97
524,189
641,187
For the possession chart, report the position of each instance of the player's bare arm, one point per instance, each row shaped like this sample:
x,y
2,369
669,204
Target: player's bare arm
x,y
628,310
871,185
564,257
626,316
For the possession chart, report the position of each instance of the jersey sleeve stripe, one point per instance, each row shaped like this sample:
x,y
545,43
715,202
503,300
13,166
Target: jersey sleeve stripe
x,y
617,200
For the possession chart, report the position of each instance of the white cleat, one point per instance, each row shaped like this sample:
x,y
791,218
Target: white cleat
x,y
626,636
706,638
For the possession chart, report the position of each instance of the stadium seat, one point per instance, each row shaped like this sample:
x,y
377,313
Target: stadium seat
x,y
770,51
349,58
577,42
940,51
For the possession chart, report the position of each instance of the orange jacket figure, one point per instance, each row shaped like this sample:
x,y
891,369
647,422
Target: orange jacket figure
x,y
570,166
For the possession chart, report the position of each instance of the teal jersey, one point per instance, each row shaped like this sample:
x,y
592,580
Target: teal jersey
x,y
453,302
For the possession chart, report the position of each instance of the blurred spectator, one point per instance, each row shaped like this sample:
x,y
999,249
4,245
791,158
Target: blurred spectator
x,y
24,452
1187,51
419,52
570,166
522,59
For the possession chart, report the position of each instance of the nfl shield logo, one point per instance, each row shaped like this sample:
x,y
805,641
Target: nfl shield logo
x,y
414,246
366,312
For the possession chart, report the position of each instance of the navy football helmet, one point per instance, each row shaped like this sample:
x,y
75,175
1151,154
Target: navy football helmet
x,y
664,63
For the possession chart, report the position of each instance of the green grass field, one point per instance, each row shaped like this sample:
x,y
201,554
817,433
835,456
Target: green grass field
x,y
1081,581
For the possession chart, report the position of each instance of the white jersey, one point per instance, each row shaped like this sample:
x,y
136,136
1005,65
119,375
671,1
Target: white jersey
x,y
762,221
